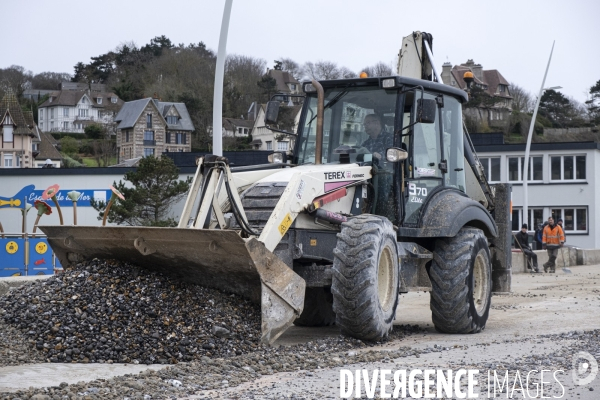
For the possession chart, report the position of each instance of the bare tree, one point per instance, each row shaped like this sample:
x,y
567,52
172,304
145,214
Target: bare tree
x,y
324,70
291,66
522,100
379,69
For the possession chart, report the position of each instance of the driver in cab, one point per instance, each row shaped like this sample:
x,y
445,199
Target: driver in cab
x,y
379,140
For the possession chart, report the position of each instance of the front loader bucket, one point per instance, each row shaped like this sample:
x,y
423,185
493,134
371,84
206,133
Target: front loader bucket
x,y
214,258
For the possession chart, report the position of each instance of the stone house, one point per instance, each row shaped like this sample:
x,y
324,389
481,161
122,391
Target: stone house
x,y
491,82
151,127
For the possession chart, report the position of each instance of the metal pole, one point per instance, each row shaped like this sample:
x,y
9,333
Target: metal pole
x,y
528,146
219,73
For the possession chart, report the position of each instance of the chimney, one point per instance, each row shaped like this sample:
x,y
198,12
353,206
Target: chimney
x,y
446,72
478,71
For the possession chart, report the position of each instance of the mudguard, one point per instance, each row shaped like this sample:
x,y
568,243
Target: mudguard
x,y
446,211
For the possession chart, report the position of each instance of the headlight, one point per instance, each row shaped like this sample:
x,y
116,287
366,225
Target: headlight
x,y
309,88
394,154
388,83
276,158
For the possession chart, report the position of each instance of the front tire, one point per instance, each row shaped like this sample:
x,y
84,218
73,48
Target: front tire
x,y
366,277
461,280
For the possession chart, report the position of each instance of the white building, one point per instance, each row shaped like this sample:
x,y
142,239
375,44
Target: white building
x,y
562,183
73,110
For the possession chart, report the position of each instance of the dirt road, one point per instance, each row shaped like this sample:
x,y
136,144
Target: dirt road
x,y
542,324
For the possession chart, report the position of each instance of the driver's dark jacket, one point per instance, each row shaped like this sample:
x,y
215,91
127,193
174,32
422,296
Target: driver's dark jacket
x,y
382,142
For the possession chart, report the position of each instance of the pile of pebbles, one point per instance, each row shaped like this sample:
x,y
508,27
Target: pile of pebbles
x,y
104,311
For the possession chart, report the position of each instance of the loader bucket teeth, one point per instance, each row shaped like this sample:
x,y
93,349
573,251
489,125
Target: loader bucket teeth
x,y
219,259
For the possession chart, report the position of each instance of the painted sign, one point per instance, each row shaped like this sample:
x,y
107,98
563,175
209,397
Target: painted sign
x,y
31,194
83,201
16,200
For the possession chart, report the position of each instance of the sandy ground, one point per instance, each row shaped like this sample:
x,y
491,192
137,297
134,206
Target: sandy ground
x,y
538,305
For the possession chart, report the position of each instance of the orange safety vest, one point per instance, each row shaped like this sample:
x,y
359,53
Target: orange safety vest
x,y
553,237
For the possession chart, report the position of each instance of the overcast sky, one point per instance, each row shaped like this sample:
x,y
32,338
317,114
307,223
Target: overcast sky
x,y
512,36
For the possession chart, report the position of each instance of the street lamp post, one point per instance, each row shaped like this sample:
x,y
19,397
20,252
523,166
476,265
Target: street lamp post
x,y
528,146
219,74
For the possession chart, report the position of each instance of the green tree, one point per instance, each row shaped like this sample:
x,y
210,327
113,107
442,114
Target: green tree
x,y
593,104
557,108
94,131
149,192
69,145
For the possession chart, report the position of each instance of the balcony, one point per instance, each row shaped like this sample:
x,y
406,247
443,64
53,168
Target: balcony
x,y
149,142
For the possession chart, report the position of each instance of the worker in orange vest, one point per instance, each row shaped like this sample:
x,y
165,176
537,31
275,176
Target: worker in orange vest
x,y
553,238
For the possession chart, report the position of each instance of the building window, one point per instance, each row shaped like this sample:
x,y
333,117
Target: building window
x,y
148,151
65,112
149,138
293,86
269,145
172,119
501,88
282,146
574,219
8,160
83,100
113,100
65,125
35,147
491,167
41,115
83,112
51,113
18,162
7,133
99,100
517,164
149,121
240,131
564,168
181,138
535,214
126,136
168,137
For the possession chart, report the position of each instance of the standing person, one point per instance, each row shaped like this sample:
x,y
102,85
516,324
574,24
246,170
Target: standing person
x,y
560,223
523,242
552,239
538,236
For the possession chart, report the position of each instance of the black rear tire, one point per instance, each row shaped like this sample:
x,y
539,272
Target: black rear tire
x,y
461,280
366,277
318,308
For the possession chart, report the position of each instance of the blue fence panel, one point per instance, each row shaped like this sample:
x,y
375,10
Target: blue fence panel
x,y
40,257
12,257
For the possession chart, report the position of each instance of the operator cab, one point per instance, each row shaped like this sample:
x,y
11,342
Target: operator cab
x,y
355,109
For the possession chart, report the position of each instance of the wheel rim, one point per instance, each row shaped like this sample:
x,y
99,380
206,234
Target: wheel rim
x,y
385,279
480,283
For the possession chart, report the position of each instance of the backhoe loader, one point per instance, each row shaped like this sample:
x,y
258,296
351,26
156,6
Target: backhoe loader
x,y
334,232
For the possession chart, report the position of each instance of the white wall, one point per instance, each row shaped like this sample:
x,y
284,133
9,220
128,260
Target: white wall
x,y
11,217
551,194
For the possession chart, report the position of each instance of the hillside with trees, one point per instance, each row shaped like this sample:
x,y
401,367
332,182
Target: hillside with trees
x,y
185,73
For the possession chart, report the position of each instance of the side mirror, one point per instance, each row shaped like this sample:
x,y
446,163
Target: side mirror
x,y
426,109
272,113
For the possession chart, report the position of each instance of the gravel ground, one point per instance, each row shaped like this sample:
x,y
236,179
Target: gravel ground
x,y
127,306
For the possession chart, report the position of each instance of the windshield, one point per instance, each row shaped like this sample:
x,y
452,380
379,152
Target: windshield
x,y
359,117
